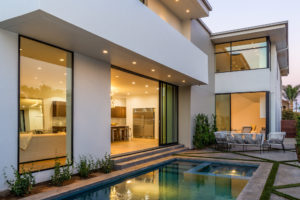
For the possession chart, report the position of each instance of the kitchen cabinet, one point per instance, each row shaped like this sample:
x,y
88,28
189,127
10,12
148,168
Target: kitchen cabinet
x,y
118,112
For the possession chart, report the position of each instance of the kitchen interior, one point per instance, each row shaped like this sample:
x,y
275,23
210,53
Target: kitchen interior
x,y
134,112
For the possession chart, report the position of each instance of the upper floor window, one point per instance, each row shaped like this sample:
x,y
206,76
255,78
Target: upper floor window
x,y
242,55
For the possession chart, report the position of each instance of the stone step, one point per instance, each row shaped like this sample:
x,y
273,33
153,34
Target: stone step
x,y
144,153
151,157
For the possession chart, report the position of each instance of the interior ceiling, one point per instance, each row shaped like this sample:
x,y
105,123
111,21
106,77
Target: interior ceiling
x,y
122,84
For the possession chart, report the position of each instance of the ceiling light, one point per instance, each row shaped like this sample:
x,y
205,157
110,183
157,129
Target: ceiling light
x,y
183,81
176,0
146,85
105,51
65,74
61,60
146,92
133,83
133,62
39,68
60,82
117,76
153,70
128,93
187,11
35,78
157,88
21,49
169,75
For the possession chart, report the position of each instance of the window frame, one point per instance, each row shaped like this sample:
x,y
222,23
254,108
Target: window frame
x,y
230,52
267,94
18,96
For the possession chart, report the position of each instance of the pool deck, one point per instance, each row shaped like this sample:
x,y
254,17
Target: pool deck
x,y
288,172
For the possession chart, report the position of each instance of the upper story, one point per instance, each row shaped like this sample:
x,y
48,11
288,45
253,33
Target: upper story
x,y
138,35
251,59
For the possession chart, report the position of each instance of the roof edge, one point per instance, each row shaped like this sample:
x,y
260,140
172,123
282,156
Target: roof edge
x,y
207,4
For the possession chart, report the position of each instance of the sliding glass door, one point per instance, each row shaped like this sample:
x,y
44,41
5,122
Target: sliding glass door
x,y
168,100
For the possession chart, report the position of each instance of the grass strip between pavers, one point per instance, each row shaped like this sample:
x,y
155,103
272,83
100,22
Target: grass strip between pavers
x,y
287,186
267,191
284,195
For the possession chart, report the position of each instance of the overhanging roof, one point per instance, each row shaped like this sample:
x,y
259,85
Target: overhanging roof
x,y
278,33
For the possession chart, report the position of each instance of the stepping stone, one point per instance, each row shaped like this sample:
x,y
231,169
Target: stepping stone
x,y
287,175
293,191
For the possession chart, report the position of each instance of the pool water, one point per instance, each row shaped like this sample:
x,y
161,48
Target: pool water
x,y
170,182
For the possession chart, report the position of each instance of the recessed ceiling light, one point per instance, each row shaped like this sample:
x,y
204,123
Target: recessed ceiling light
x,y
39,68
176,0
105,51
146,85
134,62
133,83
35,78
21,49
187,11
60,82
169,75
128,93
183,81
61,60
157,88
65,74
117,76
146,92
23,106
153,70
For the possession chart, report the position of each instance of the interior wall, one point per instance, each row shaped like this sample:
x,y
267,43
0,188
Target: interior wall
x,y
8,104
146,101
246,112
119,101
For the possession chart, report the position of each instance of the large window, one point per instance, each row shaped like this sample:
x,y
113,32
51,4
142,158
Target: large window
x,y
238,110
45,106
242,55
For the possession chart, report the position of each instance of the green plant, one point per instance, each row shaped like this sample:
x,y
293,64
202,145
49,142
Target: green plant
x,y
61,174
85,166
22,183
288,115
204,131
106,164
290,93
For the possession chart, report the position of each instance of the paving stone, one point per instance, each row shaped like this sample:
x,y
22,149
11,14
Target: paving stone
x,y
275,197
294,163
293,191
274,155
287,175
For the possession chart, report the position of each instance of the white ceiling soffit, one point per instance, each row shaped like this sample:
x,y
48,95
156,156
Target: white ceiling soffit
x,y
196,8
45,27
278,33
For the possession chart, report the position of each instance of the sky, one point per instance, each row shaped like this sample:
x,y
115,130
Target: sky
x,y
234,14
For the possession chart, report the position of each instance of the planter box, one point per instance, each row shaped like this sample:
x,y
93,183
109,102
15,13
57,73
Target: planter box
x,y
289,126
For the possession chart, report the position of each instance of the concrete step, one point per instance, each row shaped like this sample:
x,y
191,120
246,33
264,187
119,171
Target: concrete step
x,y
144,153
149,157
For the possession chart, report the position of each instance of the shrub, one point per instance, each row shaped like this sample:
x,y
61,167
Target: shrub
x,y
204,131
85,166
22,183
61,174
106,164
288,115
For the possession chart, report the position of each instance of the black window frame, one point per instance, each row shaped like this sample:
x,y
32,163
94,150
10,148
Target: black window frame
x,y
268,55
72,104
267,93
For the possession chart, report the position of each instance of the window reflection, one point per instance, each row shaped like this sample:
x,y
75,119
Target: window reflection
x,y
249,59
45,105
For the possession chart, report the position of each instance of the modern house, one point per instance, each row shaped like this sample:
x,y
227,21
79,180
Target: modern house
x,y
96,77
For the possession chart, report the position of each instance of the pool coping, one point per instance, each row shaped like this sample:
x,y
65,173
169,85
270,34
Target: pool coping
x,y
252,190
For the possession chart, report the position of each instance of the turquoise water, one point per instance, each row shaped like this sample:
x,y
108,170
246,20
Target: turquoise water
x,y
170,182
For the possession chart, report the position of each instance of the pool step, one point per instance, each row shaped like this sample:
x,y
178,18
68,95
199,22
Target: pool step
x,y
139,158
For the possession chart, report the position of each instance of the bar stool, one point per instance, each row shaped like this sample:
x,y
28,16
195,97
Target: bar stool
x,y
122,133
114,135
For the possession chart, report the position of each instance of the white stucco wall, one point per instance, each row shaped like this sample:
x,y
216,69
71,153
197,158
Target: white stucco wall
x,y
8,103
91,107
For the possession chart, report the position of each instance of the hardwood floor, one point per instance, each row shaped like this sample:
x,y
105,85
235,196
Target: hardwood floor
x,y
134,144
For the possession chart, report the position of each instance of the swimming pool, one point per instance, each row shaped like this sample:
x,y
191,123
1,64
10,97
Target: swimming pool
x,y
175,180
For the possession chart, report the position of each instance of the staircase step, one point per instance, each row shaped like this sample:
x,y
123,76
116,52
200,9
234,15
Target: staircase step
x,y
150,157
145,153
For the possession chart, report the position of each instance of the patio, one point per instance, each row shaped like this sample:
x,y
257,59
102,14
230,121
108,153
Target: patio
x,y
283,181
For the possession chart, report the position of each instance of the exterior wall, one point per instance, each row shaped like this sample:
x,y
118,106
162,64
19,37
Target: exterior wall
x,y
197,99
8,103
91,117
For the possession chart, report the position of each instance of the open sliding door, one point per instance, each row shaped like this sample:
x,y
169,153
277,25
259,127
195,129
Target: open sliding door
x,y
168,100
